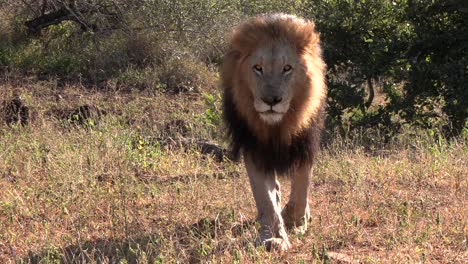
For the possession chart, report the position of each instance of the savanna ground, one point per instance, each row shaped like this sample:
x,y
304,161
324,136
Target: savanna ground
x,y
105,170
106,190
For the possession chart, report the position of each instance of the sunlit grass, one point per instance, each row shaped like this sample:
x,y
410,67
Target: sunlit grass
x,y
110,192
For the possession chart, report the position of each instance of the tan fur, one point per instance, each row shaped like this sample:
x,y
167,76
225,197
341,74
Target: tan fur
x,y
288,30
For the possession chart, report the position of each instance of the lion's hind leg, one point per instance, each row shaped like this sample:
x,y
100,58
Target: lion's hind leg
x,y
296,213
265,189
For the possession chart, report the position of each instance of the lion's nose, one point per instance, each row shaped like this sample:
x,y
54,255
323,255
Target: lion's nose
x,y
272,100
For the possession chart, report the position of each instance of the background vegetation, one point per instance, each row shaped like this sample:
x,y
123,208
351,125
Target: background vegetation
x,y
390,63
101,170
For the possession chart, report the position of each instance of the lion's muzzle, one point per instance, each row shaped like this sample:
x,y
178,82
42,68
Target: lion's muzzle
x,y
272,100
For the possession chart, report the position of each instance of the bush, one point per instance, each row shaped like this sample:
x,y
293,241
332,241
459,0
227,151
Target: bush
x,y
411,52
408,54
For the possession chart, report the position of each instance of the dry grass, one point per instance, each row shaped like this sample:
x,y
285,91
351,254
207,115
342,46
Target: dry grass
x,y
110,194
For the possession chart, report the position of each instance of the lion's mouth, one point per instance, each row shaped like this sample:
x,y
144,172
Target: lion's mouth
x,y
271,111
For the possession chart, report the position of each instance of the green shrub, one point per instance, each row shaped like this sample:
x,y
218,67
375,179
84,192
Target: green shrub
x,y
410,53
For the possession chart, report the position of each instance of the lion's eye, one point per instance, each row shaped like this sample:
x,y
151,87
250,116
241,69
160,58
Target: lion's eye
x,y
257,68
287,68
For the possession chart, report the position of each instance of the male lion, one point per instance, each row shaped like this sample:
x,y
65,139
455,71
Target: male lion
x,y
273,105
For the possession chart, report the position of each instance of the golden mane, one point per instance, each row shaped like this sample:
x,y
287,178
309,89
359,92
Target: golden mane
x,y
281,29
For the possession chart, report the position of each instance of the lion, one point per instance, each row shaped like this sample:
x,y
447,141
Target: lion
x,y
273,108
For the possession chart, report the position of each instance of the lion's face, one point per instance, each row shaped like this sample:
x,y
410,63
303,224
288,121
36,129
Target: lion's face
x,y
271,70
273,77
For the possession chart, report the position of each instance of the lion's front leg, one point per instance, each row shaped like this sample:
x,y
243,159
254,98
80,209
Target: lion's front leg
x,y
266,192
296,213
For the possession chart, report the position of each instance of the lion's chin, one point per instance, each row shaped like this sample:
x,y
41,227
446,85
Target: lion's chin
x,y
271,117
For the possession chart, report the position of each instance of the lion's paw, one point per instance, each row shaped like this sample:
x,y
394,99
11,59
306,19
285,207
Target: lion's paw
x,y
297,225
302,229
276,244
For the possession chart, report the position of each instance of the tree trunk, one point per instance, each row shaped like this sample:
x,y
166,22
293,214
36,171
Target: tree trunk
x,y
371,93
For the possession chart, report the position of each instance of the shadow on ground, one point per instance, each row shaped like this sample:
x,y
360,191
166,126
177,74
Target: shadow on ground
x,y
186,243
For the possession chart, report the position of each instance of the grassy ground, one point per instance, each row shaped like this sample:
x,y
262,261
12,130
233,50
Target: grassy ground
x,y
110,192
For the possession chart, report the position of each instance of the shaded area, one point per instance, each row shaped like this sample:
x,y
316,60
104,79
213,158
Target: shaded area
x,y
80,12
15,111
101,250
187,178
190,239
205,147
84,115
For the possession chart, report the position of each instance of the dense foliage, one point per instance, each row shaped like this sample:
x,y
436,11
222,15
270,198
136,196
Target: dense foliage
x,y
390,63
414,52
